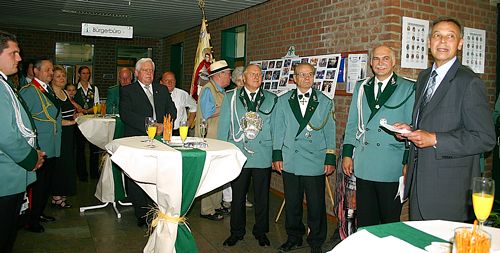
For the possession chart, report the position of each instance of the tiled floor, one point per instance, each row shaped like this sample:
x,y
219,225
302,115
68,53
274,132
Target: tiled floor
x,y
100,231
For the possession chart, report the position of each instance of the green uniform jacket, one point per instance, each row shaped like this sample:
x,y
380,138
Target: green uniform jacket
x,y
45,111
16,155
304,144
261,146
113,99
378,155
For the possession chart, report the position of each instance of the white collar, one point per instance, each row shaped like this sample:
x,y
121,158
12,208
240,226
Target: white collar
x,y
308,91
384,82
4,76
44,85
145,86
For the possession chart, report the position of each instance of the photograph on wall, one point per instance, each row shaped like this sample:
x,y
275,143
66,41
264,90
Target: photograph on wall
x,y
414,43
357,67
473,49
278,73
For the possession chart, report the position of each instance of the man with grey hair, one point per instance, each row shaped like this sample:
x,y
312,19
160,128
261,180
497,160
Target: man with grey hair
x,y
384,96
139,100
255,106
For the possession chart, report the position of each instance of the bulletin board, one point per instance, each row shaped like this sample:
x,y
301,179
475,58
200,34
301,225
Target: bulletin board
x,y
277,74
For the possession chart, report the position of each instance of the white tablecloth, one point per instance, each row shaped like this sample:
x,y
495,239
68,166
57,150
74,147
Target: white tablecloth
x,y
99,131
158,171
363,241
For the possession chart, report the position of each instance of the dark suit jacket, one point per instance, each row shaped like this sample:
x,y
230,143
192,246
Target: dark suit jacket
x,y
458,113
135,107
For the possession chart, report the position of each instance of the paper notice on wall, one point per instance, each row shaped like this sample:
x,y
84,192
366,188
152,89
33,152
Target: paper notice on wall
x,y
356,70
414,43
473,52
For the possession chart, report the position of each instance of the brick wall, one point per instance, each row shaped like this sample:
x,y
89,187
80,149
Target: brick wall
x,y
322,27
34,43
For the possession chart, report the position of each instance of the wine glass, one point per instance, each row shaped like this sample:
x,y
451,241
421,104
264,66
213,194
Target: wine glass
x,y
151,130
183,131
147,122
483,192
95,108
203,129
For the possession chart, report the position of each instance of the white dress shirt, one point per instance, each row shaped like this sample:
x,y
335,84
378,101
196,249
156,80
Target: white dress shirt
x,y
96,91
303,106
182,100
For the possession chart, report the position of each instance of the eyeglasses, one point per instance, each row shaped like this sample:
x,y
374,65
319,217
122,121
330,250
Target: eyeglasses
x,y
147,70
304,75
254,75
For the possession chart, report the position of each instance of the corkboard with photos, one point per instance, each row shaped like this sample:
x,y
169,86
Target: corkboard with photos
x,y
277,74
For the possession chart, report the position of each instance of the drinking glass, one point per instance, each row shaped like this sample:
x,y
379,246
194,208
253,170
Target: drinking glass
x,y
95,108
203,129
183,131
483,192
151,130
147,122
103,110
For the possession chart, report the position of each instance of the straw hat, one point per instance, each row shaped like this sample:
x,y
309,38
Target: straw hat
x,y
218,66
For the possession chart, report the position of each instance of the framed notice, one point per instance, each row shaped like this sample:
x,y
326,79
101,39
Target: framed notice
x,y
473,50
357,67
277,74
414,43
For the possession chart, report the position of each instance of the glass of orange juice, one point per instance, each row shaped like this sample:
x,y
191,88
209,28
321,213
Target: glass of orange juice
x,y
483,192
183,131
150,124
103,110
96,109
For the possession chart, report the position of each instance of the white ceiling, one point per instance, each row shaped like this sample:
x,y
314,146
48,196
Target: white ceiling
x,y
150,18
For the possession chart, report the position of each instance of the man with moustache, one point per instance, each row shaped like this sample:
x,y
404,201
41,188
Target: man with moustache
x,y
45,110
18,148
379,155
255,107
113,99
139,100
304,152
452,126
181,99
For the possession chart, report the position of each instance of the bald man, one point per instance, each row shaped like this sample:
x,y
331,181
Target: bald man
x,y
113,99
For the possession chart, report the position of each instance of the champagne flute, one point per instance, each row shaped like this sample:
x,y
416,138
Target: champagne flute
x,y
203,129
183,131
483,192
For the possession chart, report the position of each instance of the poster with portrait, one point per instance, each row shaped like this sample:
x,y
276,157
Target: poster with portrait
x,y
277,74
414,43
473,49
357,67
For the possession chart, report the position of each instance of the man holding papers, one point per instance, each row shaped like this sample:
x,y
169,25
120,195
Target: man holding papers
x,y
372,152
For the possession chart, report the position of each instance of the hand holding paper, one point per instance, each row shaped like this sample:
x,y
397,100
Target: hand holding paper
x,y
383,123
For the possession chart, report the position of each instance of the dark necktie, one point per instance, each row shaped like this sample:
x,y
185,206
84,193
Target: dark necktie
x,y
379,84
429,90
431,86
252,96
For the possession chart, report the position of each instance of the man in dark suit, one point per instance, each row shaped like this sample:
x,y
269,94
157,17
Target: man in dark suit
x,y
139,100
452,126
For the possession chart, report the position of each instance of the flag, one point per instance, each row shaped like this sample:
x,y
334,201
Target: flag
x,y
202,61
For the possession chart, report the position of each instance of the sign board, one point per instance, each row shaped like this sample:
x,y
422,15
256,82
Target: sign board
x,y
110,31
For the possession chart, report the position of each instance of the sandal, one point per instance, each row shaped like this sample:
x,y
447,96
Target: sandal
x,y
214,217
60,202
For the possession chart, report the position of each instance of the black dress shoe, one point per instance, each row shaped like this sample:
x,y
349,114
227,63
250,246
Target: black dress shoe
x,y
46,218
232,240
290,245
263,240
215,217
35,228
223,211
